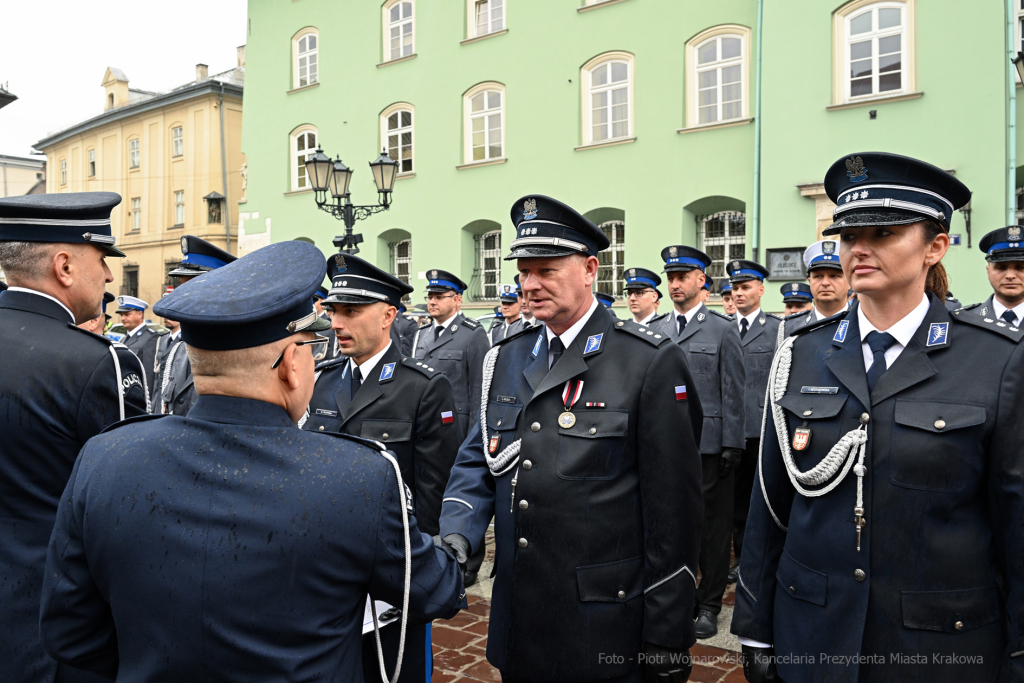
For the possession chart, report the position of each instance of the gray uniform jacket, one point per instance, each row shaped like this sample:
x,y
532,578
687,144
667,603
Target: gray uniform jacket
x,y
176,386
143,344
758,350
505,329
459,354
163,349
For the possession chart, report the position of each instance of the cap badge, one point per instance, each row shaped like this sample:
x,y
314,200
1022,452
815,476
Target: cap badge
x,y
184,246
672,251
339,262
828,247
855,170
433,275
120,301
1013,233
529,209
632,272
735,265
796,287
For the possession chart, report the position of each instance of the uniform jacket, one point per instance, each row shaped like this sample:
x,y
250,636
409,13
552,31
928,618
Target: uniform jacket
x,y
758,347
459,354
598,550
712,345
163,349
143,344
505,329
178,393
50,405
400,404
406,329
244,551
941,565
985,309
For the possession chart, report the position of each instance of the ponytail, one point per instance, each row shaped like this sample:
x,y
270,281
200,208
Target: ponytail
x,y
937,281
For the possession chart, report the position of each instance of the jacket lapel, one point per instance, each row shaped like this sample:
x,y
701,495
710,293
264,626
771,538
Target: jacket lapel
x,y
446,336
694,325
754,331
572,362
371,389
846,360
913,365
535,371
344,396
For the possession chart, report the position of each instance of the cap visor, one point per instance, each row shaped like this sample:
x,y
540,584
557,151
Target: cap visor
x,y
540,252
318,325
187,271
680,267
859,219
110,249
1004,255
351,299
825,264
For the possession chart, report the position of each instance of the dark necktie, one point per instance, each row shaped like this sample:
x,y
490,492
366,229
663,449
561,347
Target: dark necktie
x,y
526,324
357,377
681,323
437,332
1009,316
743,328
879,343
556,351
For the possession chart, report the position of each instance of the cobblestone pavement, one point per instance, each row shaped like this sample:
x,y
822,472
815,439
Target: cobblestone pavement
x,y
460,643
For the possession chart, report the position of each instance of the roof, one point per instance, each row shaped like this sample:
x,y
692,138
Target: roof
x,y
6,97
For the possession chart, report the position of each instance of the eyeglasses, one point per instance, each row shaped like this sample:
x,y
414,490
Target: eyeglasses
x,y
318,347
637,293
438,297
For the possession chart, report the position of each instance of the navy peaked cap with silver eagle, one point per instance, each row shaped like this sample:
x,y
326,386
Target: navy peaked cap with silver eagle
x,y
355,281
546,228
199,256
641,278
440,281
742,270
878,188
1004,244
261,298
796,293
822,254
65,217
679,258
604,299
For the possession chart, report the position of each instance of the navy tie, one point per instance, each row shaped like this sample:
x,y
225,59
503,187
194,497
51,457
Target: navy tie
x,y
557,347
1009,316
437,332
681,321
743,328
879,343
357,378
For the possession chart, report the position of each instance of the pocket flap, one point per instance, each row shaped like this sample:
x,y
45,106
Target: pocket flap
x,y
387,431
450,354
801,582
597,424
938,416
711,409
944,611
607,581
503,415
703,347
812,406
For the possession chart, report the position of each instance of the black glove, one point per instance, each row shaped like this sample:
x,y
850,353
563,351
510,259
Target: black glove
x,y
456,544
759,664
665,665
730,458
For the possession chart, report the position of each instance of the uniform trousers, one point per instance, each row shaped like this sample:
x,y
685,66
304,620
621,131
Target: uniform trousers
x,y
746,472
717,533
417,662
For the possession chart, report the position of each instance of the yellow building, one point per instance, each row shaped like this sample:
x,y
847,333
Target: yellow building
x,y
175,158
21,175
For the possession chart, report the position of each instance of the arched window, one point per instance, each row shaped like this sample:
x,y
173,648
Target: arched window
x,y
611,260
305,56
607,83
399,29
484,123
488,248
488,16
302,143
874,46
63,172
717,76
396,124
722,237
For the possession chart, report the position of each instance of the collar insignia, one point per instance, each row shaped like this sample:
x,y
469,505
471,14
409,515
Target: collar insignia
x,y
529,209
855,170
761,320
387,372
536,347
593,343
844,326
700,317
938,333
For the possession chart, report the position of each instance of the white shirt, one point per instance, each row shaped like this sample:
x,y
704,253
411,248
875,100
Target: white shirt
x,y
903,331
647,319
1018,310
137,331
569,336
446,323
749,318
32,291
688,315
367,367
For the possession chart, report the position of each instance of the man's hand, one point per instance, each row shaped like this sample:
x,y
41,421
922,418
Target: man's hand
x,y
759,664
665,665
730,458
457,545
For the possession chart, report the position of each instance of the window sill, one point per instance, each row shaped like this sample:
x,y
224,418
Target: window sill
x,y
606,143
178,157
597,5
301,88
179,226
396,61
400,176
475,164
715,126
477,39
308,190
135,169
875,100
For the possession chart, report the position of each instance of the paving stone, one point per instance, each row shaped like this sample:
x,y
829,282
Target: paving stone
x,y
450,638
483,671
453,660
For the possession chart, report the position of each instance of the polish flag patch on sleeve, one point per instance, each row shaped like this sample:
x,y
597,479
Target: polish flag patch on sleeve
x,y
681,393
447,417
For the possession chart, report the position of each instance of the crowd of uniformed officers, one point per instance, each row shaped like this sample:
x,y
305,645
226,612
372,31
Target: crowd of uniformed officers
x,y
218,502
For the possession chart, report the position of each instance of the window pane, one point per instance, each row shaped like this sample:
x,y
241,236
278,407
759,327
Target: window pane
x,y
731,110
860,86
600,132
599,76
714,228
620,129
860,24
887,82
406,119
707,79
393,121
477,103
888,17
396,13
406,139
478,124
312,42
709,114
708,53
731,93
493,99
889,63
735,251
889,44
861,68
619,72
619,96
406,10
708,97
860,50
730,74
730,48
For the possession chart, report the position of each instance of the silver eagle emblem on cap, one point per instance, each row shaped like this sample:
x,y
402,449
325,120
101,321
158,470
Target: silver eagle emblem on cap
x,y
632,272
433,275
1013,233
796,287
855,170
672,251
529,209
184,246
828,247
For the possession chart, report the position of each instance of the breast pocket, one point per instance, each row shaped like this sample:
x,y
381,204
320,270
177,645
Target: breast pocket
x,y
502,419
936,445
386,431
703,358
822,414
593,448
758,363
449,362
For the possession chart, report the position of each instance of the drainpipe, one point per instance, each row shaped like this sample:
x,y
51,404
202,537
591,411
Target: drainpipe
x,y
224,172
757,133
1011,136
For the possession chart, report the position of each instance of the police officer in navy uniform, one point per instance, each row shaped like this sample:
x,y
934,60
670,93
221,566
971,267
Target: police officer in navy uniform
x,y
511,319
52,250
586,455
797,298
642,295
712,347
899,557
405,329
138,335
177,390
229,545
1004,251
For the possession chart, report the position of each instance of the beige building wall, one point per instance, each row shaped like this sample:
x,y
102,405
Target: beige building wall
x,y
18,175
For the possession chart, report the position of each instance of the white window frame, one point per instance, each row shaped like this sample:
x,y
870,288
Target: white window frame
x,y
486,253
91,163
693,82
388,25
177,142
296,156
302,59
616,253
727,241
586,92
841,51
179,207
385,134
136,214
468,116
134,154
397,261
473,8
63,172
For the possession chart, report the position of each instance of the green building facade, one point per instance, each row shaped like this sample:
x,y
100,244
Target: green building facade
x,y
642,114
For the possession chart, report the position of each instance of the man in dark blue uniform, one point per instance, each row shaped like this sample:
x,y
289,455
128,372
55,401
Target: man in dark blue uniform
x,y
1004,251
642,295
138,336
52,250
511,320
586,455
797,297
229,545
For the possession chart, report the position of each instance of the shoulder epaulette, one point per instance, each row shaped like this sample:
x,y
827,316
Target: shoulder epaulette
x,y
419,365
776,316
822,323
520,333
969,307
470,323
642,331
793,316
130,420
657,318
724,316
98,337
332,363
991,324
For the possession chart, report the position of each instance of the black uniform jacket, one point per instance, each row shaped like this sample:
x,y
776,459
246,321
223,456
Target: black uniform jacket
x,y
598,549
58,388
459,354
758,347
230,546
402,404
143,344
940,571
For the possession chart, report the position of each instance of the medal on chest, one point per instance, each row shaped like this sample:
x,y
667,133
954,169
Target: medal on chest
x,y
571,394
495,442
801,438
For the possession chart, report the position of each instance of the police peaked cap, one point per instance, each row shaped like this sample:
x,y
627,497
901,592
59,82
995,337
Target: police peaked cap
x,y
108,298
261,298
127,303
680,258
709,282
199,256
355,281
321,291
546,228
508,292
641,278
878,188
439,281
742,270
65,217
606,299
823,254
796,292
1004,244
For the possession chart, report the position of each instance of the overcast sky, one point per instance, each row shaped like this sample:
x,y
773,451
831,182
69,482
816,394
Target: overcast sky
x,y
53,55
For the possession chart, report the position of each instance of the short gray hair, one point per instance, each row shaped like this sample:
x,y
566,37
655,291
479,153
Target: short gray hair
x,y
25,261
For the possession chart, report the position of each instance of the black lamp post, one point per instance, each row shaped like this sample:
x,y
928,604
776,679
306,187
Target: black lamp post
x,y
334,177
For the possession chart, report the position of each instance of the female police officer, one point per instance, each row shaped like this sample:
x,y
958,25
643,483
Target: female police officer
x,y
886,532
